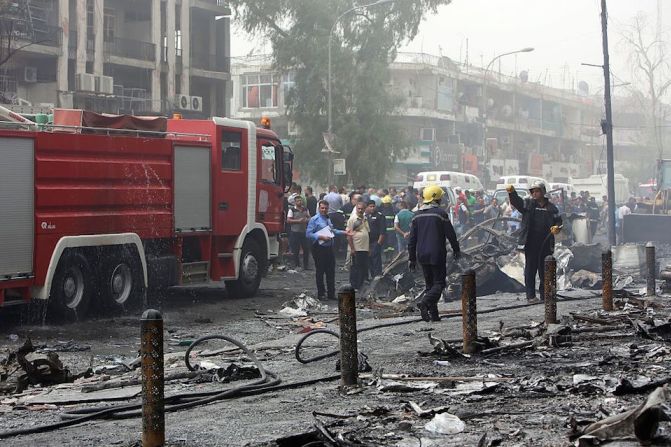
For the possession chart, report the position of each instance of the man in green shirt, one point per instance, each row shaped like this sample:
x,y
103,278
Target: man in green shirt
x,y
402,225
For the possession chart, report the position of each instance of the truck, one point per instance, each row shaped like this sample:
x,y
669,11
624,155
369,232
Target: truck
x,y
99,209
597,187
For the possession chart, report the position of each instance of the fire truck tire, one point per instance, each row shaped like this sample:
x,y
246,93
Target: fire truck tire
x,y
251,268
121,280
72,287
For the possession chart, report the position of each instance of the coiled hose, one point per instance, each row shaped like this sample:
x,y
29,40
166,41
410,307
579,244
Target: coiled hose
x,y
269,381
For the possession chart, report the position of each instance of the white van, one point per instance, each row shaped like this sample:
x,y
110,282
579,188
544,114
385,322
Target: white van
x,y
447,179
567,187
596,185
519,181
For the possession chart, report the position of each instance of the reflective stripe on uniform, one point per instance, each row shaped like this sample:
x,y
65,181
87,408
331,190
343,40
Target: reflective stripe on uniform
x,y
444,219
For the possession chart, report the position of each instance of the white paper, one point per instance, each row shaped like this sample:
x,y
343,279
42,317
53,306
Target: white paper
x,y
326,231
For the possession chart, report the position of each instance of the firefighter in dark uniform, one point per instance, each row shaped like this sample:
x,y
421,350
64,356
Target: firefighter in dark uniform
x,y
428,230
540,223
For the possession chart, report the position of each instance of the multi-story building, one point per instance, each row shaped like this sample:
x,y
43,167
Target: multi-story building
x,y
482,122
529,128
259,91
119,56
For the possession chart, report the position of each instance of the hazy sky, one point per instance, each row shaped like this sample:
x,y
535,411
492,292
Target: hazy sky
x,y
564,33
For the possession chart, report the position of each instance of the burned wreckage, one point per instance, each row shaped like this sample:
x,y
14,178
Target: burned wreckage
x,y
491,250
488,248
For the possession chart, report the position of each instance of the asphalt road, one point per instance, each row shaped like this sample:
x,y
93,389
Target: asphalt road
x,y
533,403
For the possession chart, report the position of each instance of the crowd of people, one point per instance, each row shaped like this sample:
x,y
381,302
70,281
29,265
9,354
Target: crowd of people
x,y
369,226
365,227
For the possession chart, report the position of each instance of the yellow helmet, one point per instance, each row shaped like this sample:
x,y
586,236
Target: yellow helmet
x,y
432,193
386,199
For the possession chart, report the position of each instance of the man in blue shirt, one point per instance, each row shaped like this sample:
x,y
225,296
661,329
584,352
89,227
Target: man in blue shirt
x,y
322,250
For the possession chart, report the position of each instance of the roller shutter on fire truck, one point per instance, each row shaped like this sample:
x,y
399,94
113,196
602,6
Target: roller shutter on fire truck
x,y
17,170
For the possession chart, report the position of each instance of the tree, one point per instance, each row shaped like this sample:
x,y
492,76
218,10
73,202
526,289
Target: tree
x,y
364,44
651,69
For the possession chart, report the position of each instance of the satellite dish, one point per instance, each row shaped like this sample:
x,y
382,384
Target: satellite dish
x,y
524,76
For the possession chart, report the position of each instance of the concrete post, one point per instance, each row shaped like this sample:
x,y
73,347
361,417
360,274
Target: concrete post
x,y
469,313
550,290
349,354
172,58
62,64
80,60
185,27
151,352
157,40
99,34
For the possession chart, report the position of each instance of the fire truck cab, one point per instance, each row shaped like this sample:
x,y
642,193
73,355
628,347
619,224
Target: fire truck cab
x,y
96,210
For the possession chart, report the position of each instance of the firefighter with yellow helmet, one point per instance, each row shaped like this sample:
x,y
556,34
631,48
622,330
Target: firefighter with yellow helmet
x,y
429,229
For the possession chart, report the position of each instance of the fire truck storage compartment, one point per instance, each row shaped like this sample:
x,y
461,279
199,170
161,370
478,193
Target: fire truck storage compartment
x,y
17,171
192,189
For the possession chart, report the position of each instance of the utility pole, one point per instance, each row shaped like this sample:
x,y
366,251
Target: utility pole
x,y
607,126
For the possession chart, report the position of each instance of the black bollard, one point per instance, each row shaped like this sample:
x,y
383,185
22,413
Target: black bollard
x,y
550,290
151,352
469,314
349,353
652,274
607,279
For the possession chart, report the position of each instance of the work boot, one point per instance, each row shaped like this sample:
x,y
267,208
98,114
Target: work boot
x,y
433,312
424,310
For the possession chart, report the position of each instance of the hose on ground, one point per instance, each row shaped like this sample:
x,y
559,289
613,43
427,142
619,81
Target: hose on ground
x,y
269,381
303,339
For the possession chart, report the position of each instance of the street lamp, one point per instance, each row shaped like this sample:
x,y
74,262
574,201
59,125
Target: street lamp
x,y
484,103
329,137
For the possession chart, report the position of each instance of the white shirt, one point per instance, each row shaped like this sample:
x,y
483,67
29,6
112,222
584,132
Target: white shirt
x,y
622,211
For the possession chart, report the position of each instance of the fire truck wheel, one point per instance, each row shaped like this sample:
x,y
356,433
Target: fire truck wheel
x,y
72,287
251,268
122,280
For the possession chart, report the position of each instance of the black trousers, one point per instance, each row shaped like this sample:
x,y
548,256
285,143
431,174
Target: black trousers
x,y
534,263
434,279
324,267
298,240
358,273
375,259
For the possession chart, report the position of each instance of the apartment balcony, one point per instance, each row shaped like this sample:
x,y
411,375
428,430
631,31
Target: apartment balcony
x,y
48,35
210,62
46,40
132,49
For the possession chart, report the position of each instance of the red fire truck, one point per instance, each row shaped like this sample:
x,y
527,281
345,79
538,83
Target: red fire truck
x,y
97,209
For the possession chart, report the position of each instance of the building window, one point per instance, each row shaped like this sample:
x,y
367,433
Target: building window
x,y
427,134
178,42
109,21
90,19
288,84
259,90
230,151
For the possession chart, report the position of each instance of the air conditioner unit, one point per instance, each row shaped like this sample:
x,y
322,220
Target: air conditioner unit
x,y
30,74
105,84
85,82
197,103
183,102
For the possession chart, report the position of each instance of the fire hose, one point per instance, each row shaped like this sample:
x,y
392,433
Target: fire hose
x,y
269,381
